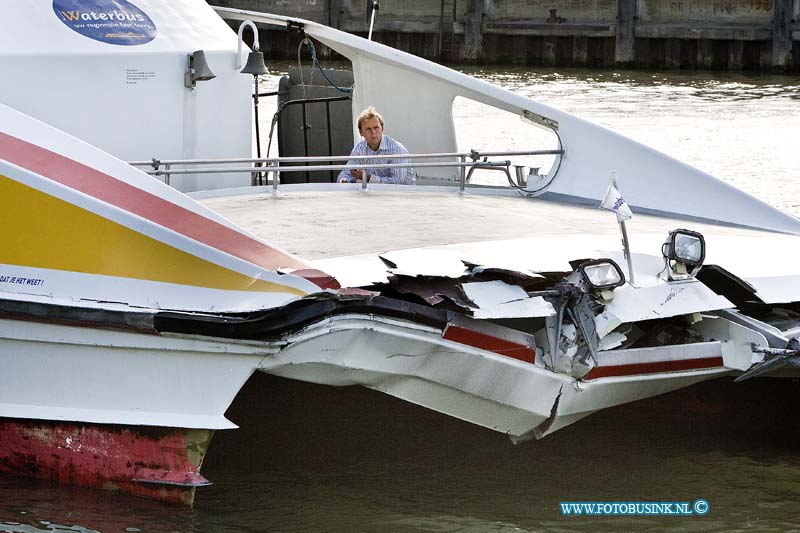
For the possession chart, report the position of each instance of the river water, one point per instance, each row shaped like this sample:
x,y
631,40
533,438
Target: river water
x,y
338,459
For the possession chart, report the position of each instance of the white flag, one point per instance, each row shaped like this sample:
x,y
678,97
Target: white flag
x,y
616,203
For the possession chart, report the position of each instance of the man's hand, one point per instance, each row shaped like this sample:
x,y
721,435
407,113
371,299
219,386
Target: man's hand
x,y
358,175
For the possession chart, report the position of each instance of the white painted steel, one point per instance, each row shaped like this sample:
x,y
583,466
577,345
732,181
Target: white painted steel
x,y
392,81
414,363
587,397
64,373
631,304
131,100
678,352
93,375
90,375
497,299
422,262
62,287
737,352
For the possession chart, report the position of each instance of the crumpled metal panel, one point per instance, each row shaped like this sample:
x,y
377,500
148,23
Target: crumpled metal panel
x,y
437,292
497,299
632,304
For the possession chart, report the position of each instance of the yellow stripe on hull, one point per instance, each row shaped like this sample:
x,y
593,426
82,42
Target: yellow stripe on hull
x,y
42,231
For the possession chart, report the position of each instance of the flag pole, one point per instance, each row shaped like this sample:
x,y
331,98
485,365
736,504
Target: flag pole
x,y
625,244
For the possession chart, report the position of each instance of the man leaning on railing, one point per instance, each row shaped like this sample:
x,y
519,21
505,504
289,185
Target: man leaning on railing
x,y
374,142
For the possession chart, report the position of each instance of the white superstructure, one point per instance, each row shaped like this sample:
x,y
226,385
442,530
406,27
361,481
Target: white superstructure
x,y
69,64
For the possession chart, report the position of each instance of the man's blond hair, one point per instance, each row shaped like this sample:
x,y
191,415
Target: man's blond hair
x,y
368,114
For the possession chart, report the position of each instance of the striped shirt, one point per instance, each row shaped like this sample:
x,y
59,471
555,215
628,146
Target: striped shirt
x,y
400,176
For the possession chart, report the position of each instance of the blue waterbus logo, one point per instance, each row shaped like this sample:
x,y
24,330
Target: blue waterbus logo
x,y
107,21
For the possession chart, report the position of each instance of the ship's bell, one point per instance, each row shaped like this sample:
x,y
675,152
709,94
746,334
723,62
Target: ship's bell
x,y
255,64
198,69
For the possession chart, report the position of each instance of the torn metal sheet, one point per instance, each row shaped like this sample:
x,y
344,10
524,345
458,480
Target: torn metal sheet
x,y
425,262
778,289
660,301
611,341
438,292
767,262
582,317
356,270
354,293
530,281
497,299
605,323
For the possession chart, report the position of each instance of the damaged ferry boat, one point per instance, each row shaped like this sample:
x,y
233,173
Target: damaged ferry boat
x,y
136,300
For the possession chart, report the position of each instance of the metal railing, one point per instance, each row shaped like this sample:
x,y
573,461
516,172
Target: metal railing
x,y
278,165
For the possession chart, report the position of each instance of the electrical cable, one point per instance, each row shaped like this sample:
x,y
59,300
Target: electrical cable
x,y
300,68
546,185
313,51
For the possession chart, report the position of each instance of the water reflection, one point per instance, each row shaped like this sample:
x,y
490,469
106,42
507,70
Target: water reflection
x,y
28,506
310,457
698,84
361,460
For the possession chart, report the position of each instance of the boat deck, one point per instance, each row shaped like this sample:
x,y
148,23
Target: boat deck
x,y
323,222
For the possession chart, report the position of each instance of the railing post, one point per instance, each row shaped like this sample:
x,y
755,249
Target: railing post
x,y
166,173
463,184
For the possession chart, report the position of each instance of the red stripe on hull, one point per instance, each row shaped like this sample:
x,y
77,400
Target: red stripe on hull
x,y
488,342
156,463
653,367
149,206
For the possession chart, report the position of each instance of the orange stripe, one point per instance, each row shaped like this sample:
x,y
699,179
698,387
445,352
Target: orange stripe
x,y
655,367
490,343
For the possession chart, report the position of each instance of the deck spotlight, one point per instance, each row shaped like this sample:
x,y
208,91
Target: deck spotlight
x,y
684,251
198,70
602,275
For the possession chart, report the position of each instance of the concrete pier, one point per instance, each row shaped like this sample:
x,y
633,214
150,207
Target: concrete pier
x,y
702,34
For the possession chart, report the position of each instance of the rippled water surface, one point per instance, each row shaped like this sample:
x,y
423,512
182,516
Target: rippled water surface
x,y
320,458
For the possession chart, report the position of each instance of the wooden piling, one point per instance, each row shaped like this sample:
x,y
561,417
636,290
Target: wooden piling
x,y
782,34
473,34
626,16
705,34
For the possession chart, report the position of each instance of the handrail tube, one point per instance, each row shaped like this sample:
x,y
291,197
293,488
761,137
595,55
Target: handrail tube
x,y
478,164
521,152
342,158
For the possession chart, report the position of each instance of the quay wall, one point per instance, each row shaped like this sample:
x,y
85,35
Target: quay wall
x,y
704,34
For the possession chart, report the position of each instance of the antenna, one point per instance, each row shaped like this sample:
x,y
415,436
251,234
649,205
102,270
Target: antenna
x,y
372,8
